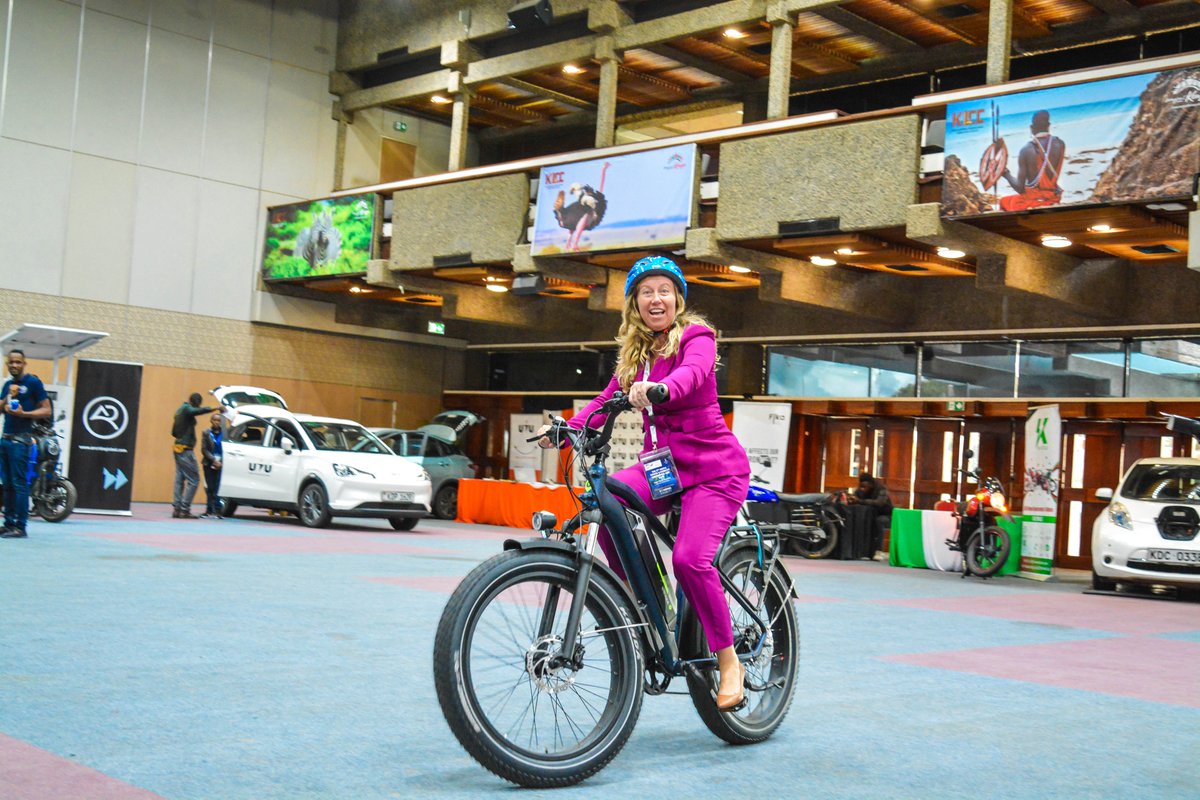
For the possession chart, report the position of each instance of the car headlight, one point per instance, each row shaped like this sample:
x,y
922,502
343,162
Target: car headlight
x,y
425,475
345,471
1118,515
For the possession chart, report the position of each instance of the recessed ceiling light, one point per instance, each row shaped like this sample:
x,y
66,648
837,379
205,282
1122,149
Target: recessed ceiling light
x,y
845,251
440,100
1054,240
573,69
739,270
1102,227
498,288
823,261
734,33
950,252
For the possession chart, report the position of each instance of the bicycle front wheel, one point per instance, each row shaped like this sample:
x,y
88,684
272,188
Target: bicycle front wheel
x,y
771,675
522,707
988,551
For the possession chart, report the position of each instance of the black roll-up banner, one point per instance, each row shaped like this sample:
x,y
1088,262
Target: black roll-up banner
x,y
104,434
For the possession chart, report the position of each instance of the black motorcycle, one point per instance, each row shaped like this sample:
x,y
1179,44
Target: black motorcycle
x,y
51,496
808,525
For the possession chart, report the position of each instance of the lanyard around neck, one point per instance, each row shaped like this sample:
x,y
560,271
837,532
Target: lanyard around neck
x,y
650,410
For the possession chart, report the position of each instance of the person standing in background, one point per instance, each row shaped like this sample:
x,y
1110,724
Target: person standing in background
x,y
187,475
25,400
210,459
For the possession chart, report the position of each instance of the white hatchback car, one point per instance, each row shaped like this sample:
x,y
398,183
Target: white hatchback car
x,y
1148,532
318,467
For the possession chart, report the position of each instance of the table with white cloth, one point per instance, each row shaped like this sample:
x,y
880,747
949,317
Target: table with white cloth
x,y
918,539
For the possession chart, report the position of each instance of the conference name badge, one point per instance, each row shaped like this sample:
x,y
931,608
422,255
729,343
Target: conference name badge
x,y
660,473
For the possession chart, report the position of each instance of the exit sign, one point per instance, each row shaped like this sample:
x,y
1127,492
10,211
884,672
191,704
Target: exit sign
x,y
437,327
956,405
400,126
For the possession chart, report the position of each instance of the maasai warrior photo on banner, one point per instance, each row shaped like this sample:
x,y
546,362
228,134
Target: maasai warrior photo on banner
x,y
1126,139
1038,166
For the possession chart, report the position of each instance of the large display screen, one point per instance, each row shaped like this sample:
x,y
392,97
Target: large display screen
x,y
636,201
317,238
1123,139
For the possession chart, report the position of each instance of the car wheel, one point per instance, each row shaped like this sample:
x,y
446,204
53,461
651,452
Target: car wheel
x,y
403,523
314,506
228,508
1103,584
445,505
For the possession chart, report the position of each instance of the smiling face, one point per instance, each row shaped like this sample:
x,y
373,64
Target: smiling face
x,y
656,302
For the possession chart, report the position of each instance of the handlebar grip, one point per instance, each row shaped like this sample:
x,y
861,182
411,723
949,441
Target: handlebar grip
x,y
658,394
538,438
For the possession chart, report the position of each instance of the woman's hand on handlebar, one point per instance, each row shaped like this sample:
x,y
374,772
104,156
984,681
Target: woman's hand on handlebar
x,y
544,440
646,393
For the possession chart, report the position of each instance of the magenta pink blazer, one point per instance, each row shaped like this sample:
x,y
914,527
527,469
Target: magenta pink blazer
x,y
690,422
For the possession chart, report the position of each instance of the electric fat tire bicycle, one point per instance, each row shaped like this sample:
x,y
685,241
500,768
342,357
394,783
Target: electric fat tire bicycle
x,y
543,653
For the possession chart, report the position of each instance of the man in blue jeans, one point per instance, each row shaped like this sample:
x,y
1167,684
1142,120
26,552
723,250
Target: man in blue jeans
x,y
25,400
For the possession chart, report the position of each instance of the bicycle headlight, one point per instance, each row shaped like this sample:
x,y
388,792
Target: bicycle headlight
x,y
1118,515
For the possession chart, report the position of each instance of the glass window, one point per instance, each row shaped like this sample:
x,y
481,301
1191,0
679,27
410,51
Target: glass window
x,y
1168,482
1164,368
253,432
877,370
342,438
1072,369
968,369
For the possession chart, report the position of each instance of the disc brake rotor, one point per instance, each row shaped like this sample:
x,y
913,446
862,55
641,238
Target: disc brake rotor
x,y
539,663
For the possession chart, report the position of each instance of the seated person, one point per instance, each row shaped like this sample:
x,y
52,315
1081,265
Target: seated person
x,y
871,492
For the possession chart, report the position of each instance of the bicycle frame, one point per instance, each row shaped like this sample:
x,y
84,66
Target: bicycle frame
x,y
601,505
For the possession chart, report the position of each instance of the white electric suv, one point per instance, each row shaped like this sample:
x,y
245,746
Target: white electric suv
x,y
318,468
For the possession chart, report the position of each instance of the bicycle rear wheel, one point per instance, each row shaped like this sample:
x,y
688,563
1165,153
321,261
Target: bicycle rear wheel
x,y
522,708
988,551
771,675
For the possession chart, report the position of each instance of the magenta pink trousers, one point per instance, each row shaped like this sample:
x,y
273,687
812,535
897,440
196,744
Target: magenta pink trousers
x,y
706,512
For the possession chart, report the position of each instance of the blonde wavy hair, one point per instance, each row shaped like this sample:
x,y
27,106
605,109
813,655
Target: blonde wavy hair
x,y
636,340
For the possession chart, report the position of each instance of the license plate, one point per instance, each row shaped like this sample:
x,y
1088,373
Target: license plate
x,y
1173,556
397,497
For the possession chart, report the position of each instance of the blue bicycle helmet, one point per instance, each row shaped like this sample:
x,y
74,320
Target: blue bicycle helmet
x,y
655,265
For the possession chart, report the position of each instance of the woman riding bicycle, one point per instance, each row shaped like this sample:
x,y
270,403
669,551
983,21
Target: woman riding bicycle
x,y
662,343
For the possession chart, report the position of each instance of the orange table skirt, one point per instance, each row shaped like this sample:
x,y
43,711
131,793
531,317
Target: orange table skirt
x,y
512,504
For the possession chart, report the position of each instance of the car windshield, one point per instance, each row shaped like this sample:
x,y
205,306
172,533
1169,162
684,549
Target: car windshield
x,y
235,399
1168,482
344,437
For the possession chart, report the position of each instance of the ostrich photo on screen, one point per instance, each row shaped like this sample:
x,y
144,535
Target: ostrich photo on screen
x,y
319,243
584,213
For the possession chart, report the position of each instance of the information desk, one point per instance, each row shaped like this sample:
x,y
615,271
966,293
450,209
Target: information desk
x,y
919,540
492,502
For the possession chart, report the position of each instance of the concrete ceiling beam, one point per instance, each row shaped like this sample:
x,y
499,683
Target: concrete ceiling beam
x,y
563,268
796,282
460,301
417,86
1011,267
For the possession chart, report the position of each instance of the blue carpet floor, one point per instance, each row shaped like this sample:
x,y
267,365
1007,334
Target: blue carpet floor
x,y
252,658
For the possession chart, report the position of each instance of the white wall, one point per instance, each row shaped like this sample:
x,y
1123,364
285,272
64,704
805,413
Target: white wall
x,y
142,140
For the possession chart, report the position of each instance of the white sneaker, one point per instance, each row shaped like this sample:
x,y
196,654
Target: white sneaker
x,y
880,555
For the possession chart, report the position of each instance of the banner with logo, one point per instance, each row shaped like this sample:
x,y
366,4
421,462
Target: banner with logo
x,y
635,201
1042,478
104,435
1119,140
763,429
524,458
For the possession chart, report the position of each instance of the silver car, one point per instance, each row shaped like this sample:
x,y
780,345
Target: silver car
x,y
432,447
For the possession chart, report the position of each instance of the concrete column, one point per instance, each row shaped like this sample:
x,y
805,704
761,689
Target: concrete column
x,y
1193,259
606,104
999,41
780,82
459,126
